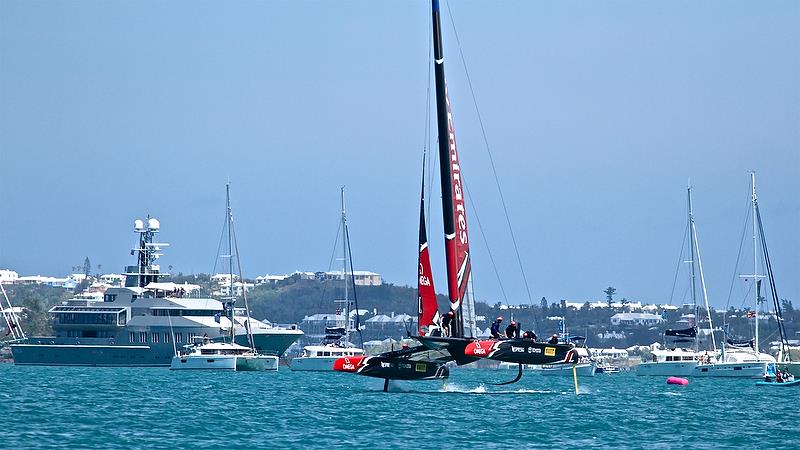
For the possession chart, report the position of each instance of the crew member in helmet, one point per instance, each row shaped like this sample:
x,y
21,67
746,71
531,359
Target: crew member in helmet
x,y
512,330
495,329
553,339
447,319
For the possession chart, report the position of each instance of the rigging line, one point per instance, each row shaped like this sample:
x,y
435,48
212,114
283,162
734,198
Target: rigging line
x,y
771,277
678,268
248,323
353,280
485,241
491,159
219,246
330,263
427,137
738,259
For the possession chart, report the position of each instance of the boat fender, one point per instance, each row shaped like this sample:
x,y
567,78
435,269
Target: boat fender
x,y
678,381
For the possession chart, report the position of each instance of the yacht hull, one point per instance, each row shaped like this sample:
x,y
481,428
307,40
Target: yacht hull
x,y
90,355
103,353
313,364
669,369
272,341
731,370
204,362
256,363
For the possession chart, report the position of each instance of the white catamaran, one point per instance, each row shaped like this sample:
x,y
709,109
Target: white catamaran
x,y
208,355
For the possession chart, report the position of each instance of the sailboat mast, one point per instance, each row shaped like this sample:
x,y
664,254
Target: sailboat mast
x,y
229,219
754,200
453,205
693,232
344,272
692,268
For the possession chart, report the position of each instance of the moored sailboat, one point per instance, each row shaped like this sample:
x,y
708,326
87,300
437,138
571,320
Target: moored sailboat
x,y
209,355
336,342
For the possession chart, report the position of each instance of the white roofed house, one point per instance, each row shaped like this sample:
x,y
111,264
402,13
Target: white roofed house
x,y
361,277
636,319
270,279
8,276
113,279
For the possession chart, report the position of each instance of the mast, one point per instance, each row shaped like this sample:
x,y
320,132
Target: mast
x,y
755,258
344,272
229,219
692,269
232,232
693,233
453,204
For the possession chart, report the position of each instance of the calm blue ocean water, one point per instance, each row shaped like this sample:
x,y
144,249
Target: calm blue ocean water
x,y
52,407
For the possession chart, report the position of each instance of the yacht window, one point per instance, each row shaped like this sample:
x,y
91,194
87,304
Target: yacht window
x,y
326,353
132,337
142,336
166,336
178,338
155,337
110,297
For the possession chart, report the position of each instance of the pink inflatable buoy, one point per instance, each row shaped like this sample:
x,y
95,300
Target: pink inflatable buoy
x,y
678,381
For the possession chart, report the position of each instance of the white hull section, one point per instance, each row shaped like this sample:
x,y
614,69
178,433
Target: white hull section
x,y
668,368
203,362
313,363
732,370
256,363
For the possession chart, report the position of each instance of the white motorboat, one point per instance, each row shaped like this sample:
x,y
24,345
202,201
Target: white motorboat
x,y
678,362
320,358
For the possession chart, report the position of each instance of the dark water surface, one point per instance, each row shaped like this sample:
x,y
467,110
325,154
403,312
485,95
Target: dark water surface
x,y
58,407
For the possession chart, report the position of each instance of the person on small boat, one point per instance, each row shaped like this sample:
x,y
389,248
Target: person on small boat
x,y
512,330
495,328
447,319
779,377
529,335
553,339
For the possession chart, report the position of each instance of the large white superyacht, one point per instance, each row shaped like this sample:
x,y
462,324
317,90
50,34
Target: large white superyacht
x,y
142,323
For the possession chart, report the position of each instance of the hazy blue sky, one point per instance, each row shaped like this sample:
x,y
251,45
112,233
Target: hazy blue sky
x,y
597,113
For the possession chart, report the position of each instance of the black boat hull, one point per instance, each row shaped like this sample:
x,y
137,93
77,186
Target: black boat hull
x,y
522,351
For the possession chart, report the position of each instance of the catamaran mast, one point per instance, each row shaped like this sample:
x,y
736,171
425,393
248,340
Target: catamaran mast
x,y
696,253
229,219
692,270
453,205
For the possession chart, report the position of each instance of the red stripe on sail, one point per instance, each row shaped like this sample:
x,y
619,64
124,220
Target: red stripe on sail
x,y
428,308
457,245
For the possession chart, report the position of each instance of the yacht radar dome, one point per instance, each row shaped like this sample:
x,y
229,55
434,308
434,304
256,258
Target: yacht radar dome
x,y
138,225
153,224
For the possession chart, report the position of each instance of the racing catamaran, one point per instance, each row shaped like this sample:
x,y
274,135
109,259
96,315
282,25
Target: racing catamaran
x,y
454,341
